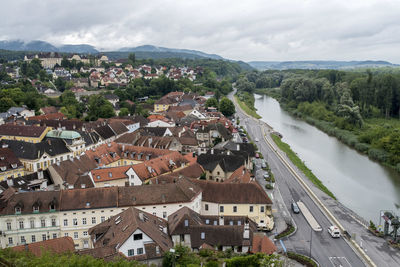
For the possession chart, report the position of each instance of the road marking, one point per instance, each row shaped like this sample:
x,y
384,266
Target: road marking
x,y
339,262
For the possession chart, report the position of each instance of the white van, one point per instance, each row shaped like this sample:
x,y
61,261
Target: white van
x,y
334,231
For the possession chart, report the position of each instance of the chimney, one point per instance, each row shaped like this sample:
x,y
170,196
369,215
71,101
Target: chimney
x,y
4,146
123,147
212,151
10,182
141,216
244,170
221,220
238,147
40,175
246,231
228,152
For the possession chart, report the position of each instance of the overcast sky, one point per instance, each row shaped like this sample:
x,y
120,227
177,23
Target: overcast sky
x,y
243,30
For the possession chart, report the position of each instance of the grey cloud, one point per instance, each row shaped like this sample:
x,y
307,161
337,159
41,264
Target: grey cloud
x,y
246,30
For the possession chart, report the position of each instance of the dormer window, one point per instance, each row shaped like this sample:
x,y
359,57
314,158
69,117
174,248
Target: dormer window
x,y
186,223
14,166
35,209
98,177
52,207
17,210
3,168
110,174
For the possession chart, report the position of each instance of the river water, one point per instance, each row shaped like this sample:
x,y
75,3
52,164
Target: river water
x,y
359,183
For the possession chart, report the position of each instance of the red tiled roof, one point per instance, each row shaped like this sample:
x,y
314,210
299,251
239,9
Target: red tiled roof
x,y
56,245
261,243
108,174
50,116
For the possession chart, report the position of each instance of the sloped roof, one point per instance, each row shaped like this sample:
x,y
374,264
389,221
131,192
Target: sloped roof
x,y
120,227
231,193
56,245
262,244
228,163
21,130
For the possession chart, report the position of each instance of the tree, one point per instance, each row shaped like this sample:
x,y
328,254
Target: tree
x,y
132,58
226,107
212,102
99,107
6,103
123,112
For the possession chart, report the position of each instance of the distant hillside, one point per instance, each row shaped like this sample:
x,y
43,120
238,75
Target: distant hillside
x,y
282,65
181,52
41,46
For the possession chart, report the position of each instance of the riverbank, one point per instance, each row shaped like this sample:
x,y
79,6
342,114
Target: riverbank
x,y
301,166
377,138
249,111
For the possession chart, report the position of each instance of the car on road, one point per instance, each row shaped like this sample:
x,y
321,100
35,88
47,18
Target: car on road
x,y
263,165
334,231
242,134
295,208
266,175
256,139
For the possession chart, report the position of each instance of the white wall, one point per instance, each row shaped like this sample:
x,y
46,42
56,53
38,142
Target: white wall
x,y
135,244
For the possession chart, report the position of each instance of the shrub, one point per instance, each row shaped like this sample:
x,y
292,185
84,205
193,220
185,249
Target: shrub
x,y
212,264
302,259
289,229
269,186
205,253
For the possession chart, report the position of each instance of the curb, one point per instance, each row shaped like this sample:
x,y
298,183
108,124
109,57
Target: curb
x,y
330,216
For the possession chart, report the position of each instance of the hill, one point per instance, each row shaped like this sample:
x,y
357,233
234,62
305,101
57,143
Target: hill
x,y
42,46
157,49
317,64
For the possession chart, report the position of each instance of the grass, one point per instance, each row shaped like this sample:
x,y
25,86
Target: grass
x,y
247,109
289,229
301,166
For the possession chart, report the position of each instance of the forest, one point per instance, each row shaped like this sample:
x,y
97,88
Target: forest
x,y
360,107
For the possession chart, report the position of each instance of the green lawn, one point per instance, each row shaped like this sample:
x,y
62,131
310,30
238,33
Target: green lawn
x,y
246,109
300,165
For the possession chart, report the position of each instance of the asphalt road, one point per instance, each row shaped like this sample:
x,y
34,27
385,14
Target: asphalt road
x,y
325,249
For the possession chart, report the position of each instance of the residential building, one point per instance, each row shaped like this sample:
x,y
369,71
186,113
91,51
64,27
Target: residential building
x,y
135,234
191,229
237,199
10,165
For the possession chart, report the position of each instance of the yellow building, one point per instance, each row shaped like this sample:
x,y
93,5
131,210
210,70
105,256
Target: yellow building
x,y
10,165
26,133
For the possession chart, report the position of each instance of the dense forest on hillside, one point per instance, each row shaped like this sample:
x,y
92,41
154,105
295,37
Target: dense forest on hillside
x,y
361,108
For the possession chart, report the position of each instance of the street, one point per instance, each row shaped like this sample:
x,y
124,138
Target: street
x,y
322,247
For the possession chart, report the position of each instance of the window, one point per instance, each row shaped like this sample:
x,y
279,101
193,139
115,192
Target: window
x,y
137,236
203,235
84,221
35,209
207,221
230,222
206,207
85,233
65,234
140,251
262,209
234,208
93,220
23,241
33,238
53,222
32,223
157,250
10,240
21,224
251,208
215,222
155,213
17,210
239,222
43,223
186,222
44,237
65,222
76,235
221,209
52,207
131,252
75,221
102,219
8,225
164,214
54,236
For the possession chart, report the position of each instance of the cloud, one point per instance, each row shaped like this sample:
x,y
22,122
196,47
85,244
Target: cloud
x,y
245,30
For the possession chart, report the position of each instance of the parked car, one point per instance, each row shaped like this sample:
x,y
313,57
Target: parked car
x,y
334,231
266,175
263,165
295,208
256,139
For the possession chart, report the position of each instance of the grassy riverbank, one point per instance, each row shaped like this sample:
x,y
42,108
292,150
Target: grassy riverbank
x,y
378,138
250,111
301,166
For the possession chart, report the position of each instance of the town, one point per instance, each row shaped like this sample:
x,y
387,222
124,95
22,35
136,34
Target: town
x,y
133,181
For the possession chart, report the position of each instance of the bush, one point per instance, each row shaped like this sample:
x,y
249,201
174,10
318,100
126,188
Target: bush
x,y
205,253
212,264
268,186
302,259
289,229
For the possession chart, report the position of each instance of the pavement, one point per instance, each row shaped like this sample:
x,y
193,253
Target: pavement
x,y
319,245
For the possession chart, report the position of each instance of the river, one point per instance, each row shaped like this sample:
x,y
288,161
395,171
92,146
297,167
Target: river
x,y
359,183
